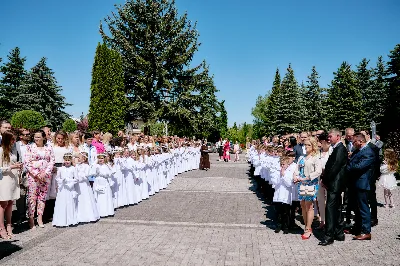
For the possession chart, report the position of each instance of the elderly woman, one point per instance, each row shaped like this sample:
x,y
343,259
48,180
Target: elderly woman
x,y
9,185
309,169
39,163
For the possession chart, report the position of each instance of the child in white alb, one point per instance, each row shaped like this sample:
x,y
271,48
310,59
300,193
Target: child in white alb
x,y
65,210
101,187
87,208
387,180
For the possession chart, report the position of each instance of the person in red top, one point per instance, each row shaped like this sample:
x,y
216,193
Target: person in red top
x,y
227,146
97,136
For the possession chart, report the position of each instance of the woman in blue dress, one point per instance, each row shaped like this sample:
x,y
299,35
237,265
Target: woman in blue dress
x,y
309,169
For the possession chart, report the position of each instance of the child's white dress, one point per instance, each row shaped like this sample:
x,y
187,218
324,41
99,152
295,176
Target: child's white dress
x,y
122,198
87,208
387,179
65,210
102,189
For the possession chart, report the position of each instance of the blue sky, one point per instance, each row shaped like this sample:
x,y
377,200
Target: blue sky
x,y
242,41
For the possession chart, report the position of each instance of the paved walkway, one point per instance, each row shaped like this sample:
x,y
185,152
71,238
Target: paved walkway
x,y
203,218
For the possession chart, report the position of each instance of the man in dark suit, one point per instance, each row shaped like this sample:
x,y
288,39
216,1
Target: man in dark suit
x,y
299,149
373,204
361,169
333,179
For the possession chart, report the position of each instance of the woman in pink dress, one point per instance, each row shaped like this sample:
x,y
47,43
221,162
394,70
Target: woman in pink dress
x,y
39,162
227,146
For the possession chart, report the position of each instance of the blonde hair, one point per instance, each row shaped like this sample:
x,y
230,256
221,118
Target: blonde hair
x,y
106,138
65,136
314,145
391,159
72,135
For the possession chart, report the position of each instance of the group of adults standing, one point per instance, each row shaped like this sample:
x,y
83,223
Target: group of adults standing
x,y
352,168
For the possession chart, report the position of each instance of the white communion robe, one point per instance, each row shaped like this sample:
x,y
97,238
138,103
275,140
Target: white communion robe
x,y
65,210
102,189
87,208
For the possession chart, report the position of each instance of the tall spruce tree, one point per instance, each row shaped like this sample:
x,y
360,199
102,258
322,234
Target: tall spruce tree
x,y
157,46
271,105
41,93
390,122
344,100
288,108
364,82
304,120
108,103
314,102
13,77
377,96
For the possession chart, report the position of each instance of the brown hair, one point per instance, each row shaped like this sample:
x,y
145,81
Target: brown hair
x,y
64,134
391,159
6,139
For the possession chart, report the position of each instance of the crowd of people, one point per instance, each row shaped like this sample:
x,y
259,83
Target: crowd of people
x,y
325,175
224,150
81,177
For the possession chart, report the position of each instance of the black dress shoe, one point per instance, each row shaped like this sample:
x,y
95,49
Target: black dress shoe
x,y
285,231
340,238
326,242
277,229
374,222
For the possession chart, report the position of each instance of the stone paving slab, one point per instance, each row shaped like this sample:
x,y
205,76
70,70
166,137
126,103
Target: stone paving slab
x,y
203,218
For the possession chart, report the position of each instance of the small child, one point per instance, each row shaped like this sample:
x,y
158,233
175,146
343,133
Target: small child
x,y
65,210
101,186
87,208
387,179
283,183
122,198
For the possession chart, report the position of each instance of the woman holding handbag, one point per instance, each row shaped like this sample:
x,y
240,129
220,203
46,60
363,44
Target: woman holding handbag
x,y
309,169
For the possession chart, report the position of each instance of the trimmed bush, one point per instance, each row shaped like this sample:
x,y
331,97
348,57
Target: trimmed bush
x,y
28,119
69,125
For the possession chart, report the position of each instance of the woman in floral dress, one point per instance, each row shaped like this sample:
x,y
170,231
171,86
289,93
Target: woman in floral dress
x,y
39,162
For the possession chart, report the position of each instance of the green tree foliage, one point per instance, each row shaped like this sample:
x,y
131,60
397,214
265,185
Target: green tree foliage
x,y
390,122
13,77
156,44
377,96
222,120
364,85
108,103
27,119
69,125
314,101
344,100
289,108
40,92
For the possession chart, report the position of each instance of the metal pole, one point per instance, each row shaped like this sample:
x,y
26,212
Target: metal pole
x,y
373,130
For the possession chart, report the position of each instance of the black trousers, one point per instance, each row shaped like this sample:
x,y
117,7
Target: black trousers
x,y
333,216
282,214
373,204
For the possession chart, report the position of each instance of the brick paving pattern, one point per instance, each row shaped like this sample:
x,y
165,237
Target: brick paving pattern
x,y
203,218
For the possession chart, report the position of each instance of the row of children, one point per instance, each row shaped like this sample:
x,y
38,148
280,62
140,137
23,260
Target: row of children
x,y
274,167
121,178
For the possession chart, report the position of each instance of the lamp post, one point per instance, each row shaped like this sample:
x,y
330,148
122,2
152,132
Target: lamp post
x,y
373,130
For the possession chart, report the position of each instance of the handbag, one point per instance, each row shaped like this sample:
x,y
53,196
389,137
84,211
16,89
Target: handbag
x,y
307,190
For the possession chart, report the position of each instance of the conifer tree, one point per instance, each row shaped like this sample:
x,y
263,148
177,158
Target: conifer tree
x,y
288,108
271,105
108,103
363,77
157,46
390,122
314,102
377,96
13,76
344,100
41,93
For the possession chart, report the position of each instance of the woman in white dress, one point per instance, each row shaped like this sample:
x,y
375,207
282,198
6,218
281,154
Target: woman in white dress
x,y
65,209
87,208
101,186
122,198
9,182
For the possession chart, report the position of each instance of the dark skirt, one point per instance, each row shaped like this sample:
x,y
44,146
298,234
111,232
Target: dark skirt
x,y
221,151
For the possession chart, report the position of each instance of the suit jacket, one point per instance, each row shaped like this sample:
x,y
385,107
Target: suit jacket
x,y
376,171
334,176
298,151
361,168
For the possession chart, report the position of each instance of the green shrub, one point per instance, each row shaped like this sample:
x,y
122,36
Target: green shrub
x,y
69,125
28,119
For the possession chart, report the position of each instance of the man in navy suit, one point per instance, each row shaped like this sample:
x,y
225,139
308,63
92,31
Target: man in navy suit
x,y
361,169
299,149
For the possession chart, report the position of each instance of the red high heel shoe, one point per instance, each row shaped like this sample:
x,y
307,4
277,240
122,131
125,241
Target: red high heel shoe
x,y
305,232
